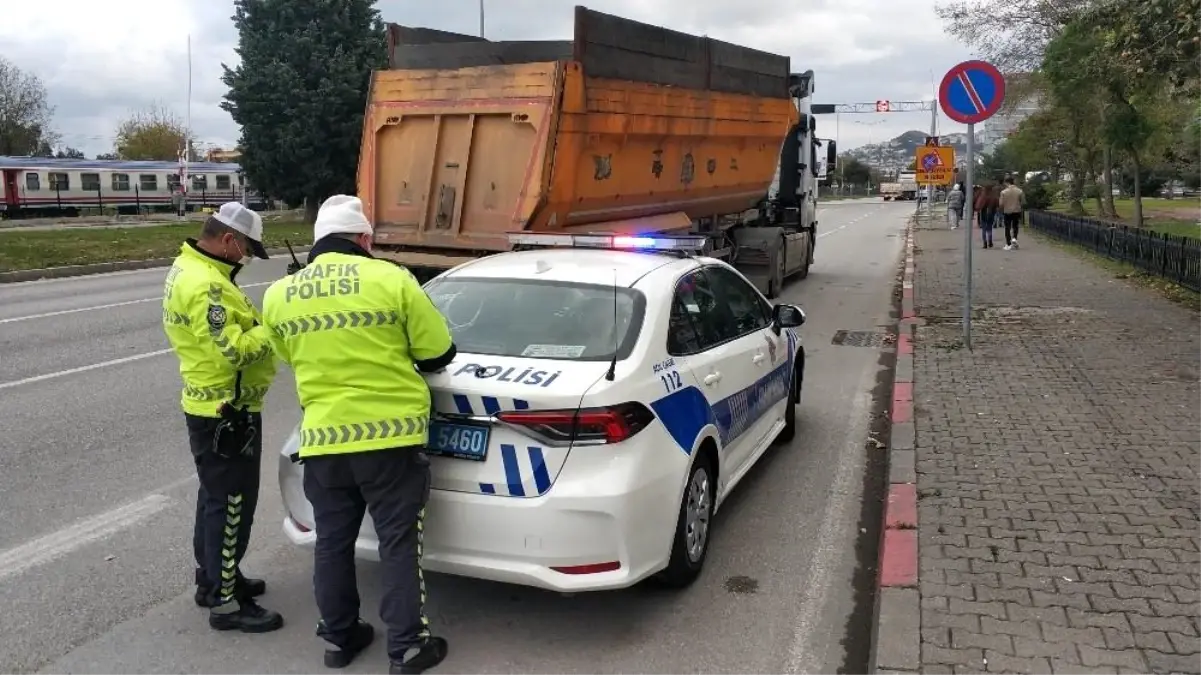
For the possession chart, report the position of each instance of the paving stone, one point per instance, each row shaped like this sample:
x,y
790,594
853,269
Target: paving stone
x,y
1058,465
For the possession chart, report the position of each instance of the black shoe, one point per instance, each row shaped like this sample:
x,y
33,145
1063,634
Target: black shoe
x,y
248,618
245,589
360,638
428,655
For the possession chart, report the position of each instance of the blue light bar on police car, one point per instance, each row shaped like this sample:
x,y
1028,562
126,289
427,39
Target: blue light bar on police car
x,y
642,242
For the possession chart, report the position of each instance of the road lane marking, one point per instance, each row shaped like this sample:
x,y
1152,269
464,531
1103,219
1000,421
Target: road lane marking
x,y
82,369
839,517
110,305
101,526
840,227
45,315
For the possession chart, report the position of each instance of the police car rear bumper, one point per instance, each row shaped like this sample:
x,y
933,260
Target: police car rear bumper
x,y
576,528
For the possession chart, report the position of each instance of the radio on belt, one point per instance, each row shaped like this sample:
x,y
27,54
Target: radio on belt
x,y
646,242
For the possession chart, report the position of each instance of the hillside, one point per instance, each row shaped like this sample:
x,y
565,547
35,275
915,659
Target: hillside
x,y
898,153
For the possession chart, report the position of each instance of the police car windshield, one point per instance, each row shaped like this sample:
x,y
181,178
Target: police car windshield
x,y
539,319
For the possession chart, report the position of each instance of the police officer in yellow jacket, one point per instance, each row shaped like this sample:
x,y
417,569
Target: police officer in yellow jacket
x,y
226,362
356,330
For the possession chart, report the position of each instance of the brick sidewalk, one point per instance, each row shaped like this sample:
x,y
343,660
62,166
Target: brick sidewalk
x,y
1057,466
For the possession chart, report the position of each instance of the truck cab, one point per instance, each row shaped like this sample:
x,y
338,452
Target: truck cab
x,y
791,204
908,183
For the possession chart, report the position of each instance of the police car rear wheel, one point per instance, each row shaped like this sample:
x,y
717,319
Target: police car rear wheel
x,y
690,544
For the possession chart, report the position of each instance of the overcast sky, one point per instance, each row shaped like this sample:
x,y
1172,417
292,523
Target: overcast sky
x,y
100,59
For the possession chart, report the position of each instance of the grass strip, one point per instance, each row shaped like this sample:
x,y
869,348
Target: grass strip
x,y
39,249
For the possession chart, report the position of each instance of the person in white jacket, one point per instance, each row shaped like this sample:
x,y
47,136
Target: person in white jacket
x,y
955,206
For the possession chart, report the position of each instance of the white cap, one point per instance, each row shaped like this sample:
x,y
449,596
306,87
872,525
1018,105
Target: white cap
x,y
340,214
237,217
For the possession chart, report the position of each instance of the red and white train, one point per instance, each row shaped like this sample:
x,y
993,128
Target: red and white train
x,y
43,186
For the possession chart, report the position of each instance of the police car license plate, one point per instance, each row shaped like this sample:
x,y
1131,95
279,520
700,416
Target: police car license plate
x,y
464,441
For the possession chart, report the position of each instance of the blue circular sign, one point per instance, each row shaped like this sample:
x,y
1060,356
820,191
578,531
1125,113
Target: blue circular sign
x,y
972,92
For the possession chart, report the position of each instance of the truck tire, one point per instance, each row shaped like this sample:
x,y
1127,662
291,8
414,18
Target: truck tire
x,y
775,284
804,271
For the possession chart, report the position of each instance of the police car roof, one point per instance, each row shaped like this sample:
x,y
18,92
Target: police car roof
x,y
568,264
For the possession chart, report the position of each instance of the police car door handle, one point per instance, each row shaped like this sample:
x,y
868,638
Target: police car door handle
x,y
712,379
758,358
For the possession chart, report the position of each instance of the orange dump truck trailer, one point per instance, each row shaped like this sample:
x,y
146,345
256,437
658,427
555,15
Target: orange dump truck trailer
x,y
627,128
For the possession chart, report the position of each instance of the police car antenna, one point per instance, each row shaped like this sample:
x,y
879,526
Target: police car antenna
x,y
613,363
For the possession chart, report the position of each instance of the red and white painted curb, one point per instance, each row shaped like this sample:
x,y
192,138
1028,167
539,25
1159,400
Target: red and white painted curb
x,y
897,632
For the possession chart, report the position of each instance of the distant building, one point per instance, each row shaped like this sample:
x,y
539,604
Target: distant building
x,y
219,155
1006,121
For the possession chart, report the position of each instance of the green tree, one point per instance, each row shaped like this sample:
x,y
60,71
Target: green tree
x,y
69,153
1078,74
25,113
1154,37
154,133
300,92
854,172
1004,160
108,155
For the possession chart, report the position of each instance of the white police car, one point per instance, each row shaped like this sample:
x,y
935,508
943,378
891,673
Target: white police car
x,y
603,404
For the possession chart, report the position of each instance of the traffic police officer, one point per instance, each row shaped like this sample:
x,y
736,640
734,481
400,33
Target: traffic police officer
x,y
226,363
356,330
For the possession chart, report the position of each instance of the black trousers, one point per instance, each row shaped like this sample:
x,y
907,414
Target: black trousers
x,y
393,486
1012,220
225,506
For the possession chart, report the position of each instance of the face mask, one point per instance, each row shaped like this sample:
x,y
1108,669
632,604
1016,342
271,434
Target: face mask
x,y
243,259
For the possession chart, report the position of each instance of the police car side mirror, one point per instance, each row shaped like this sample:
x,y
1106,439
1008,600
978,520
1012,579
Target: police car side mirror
x,y
787,316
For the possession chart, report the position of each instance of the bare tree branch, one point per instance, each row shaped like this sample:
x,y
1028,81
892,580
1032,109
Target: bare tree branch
x,y
25,111
1011,35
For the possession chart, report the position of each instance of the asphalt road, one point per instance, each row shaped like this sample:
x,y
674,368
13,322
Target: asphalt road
x,y
97,487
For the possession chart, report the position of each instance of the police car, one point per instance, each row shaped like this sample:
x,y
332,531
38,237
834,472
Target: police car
x,y
608,394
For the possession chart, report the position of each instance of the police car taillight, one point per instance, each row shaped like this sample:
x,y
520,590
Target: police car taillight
x,y
646,242
612,424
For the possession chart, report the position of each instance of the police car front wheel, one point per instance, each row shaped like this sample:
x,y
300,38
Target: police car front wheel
x,y
690,542
794,399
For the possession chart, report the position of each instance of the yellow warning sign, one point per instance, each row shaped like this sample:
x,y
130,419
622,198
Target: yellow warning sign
x,y
935,165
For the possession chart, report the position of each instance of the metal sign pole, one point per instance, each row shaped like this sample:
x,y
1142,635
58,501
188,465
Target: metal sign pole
x,y
967,237
970,92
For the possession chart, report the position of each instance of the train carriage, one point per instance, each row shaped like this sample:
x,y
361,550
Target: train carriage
x,y
43,186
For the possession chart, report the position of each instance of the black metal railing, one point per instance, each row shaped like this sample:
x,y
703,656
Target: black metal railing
x,y
1173,257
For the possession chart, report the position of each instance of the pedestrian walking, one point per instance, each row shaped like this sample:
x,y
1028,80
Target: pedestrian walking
x,y
356,330
955,206
986,209
226,364
1012,204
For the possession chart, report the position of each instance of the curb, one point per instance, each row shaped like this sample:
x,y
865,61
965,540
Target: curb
x,y
897,631
100,268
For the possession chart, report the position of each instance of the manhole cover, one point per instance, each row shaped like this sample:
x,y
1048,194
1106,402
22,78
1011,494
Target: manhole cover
x,y
859,338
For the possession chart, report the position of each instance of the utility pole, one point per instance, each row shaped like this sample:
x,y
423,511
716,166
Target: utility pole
x,y
842,183
187,141
933,134
481,18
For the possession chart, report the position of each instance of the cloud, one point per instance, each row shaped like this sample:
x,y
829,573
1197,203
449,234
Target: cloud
x,y
99,63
